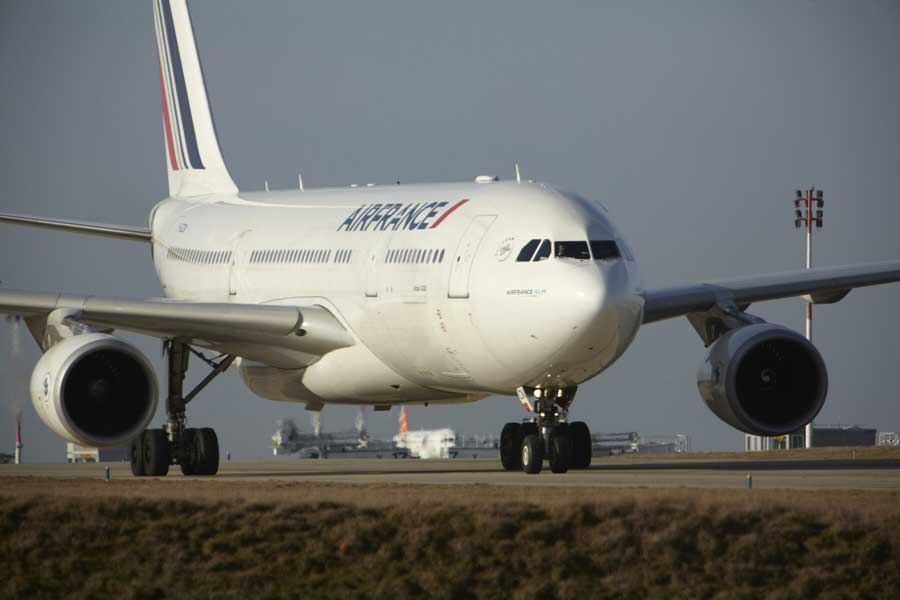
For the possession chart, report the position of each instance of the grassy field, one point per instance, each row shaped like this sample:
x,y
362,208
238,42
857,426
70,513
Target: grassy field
x,y
177,539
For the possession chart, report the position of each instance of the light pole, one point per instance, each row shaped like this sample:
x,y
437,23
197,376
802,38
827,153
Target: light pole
x,y
806,215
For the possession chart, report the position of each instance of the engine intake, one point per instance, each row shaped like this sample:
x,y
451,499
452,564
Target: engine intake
x,y
763,379
95,390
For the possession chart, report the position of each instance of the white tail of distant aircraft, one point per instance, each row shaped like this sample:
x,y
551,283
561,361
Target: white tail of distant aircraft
x,y
391,295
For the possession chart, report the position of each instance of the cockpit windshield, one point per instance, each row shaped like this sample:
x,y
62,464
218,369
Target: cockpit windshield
x,y
537,250
604,249
527,254
577,250
528,251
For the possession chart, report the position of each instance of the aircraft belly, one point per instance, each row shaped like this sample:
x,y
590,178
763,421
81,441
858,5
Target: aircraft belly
x,y
355,375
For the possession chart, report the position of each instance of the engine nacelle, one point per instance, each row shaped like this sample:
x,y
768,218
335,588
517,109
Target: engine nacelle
x,y
95,390
763,379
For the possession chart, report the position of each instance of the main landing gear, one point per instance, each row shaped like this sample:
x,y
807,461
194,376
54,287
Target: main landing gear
x,y
196,451
547,436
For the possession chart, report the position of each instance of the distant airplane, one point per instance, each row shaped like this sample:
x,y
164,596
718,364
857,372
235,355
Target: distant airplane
x,y
425,443
288,439
388,295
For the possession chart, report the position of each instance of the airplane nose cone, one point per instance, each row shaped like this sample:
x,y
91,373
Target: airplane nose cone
x,y
591,293
586,297
595,289
565,324
599,311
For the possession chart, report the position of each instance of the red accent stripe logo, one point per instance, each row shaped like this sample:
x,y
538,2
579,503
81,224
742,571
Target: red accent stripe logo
x,y
170,145
447,214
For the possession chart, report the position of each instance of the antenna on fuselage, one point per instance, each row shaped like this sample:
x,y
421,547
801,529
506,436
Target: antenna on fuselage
x,y
518,175
300,180
267,186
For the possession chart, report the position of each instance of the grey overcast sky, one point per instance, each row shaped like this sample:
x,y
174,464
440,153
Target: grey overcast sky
x,y
694,122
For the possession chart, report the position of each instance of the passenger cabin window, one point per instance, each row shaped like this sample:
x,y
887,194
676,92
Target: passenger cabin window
x,y
414,256
199,257
604,249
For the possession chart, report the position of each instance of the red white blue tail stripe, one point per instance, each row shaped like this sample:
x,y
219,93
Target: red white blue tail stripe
x,y
181,138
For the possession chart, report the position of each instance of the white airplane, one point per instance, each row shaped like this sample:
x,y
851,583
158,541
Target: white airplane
x,y
386,295
424,443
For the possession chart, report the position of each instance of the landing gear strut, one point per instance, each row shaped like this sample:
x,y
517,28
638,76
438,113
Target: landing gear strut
x,y
547,435
196,451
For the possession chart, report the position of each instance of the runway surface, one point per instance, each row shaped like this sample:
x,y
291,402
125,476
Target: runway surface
x,y
862,474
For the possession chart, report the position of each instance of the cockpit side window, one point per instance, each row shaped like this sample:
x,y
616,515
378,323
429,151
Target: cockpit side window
x,y
543,252
625,249
604,249
527,251
577,249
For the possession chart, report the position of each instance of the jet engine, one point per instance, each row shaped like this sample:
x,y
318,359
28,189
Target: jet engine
x,y
763,379
94,389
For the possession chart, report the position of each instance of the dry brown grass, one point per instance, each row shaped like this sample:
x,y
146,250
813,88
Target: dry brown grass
x,y
838,503
176,539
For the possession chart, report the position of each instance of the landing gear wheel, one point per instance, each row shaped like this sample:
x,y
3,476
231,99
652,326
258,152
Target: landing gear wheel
x,y
529,429
157,455
560,448
581,445
188,459
532,454
206,450
511,447
137,456
196,451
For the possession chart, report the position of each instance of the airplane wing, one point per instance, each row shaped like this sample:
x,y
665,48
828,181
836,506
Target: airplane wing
x,y
277,335
819,285
136,234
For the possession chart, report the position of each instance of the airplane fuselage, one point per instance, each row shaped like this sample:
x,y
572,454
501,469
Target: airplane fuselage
x,y
427,279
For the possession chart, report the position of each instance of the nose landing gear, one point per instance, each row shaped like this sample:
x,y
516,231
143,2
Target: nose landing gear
x,y
547,435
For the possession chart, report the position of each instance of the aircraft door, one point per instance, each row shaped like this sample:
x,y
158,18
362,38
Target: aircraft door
x,y
375,256
235,263
461,266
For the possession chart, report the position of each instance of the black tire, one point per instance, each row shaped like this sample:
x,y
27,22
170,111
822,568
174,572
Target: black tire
x,y
137,456
529,428
188,458
532,454
157,453
206,446
511,447
581,445
560,450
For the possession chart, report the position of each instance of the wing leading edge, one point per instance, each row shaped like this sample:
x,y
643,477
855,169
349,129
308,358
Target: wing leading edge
x,y
282,336
821,285
135,234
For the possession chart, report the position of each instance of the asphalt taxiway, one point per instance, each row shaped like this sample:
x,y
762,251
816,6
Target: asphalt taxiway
x,y
862,474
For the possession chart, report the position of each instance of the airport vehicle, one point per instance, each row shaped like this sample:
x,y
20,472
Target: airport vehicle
x,y
389,295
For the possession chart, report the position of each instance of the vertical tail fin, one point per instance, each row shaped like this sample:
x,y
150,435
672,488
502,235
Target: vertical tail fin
x,y
402,421
193,158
